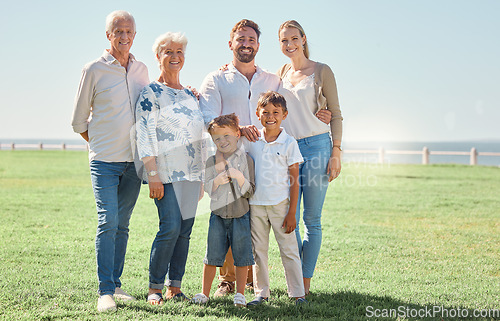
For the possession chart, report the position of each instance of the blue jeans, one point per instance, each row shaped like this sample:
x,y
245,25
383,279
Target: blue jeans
x,y
116,188
229,232
316,151
171,245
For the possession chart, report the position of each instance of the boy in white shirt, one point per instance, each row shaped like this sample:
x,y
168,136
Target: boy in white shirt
x,y
273,205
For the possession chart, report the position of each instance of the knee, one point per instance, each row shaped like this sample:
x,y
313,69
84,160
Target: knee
x,y
107,222
313,224
169,230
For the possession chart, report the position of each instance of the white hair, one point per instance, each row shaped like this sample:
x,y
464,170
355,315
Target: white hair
x,y
165,39
116,15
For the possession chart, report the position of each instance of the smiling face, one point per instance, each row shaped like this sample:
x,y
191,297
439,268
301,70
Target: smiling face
x,y
244,44
225,139
291,42
171,57
271,116
121,37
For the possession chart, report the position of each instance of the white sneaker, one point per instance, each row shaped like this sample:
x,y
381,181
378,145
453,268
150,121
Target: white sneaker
x,y
239,300
200,298
122,295
106,303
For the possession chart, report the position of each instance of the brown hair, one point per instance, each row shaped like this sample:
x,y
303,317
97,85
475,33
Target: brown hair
x,y
272,97
296,25
231,121
245,23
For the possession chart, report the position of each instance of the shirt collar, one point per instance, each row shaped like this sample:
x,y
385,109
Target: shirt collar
x,y
110,60
231,68
240,150
280,140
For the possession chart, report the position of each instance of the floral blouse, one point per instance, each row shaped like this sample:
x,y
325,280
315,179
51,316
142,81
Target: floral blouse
x,y
170,126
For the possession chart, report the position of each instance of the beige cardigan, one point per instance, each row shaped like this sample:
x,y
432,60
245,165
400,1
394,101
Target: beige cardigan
x,y
326,93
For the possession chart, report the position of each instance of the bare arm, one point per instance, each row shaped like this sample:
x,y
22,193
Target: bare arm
x,y
290,222
154,182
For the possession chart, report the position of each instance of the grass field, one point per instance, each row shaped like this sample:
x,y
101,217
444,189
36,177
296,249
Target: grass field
x,y
409,238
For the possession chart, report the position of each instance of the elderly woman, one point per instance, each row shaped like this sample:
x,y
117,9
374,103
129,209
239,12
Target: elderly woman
x,y
169,128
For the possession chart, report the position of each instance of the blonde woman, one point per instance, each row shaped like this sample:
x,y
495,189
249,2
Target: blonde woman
x,y
315,121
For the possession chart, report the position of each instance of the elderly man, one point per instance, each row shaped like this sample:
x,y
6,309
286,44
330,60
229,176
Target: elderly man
x,y
104,116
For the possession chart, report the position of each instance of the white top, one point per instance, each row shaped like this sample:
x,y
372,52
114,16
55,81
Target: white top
x,y
272,184
105,104
301,121
170,126
226,92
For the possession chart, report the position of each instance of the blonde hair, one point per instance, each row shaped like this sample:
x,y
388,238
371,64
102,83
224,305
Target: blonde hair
x,y
165,39
117,15
296,25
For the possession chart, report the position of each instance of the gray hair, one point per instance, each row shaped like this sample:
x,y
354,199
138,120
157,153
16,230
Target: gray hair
x,y
116,15
165,39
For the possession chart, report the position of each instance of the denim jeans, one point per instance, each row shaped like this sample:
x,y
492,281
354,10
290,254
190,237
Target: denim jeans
x,y
171,245
316,151
116,188
229,232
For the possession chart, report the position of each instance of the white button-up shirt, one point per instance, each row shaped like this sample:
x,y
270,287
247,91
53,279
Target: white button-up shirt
x,y
105,105
272,183
229,91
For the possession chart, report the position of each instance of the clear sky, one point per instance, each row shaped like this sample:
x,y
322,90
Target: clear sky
x,y
426,70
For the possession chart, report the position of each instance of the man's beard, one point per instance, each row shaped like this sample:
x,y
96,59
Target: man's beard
x,y
245,58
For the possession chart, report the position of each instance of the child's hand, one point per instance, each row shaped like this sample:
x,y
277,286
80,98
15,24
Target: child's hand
x,y
289,223
221,179
236,174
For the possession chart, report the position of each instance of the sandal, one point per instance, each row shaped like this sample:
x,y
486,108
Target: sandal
x,y
155,299
300,301
257,301
179,297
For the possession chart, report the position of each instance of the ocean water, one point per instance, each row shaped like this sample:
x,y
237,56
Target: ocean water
x,y
457,146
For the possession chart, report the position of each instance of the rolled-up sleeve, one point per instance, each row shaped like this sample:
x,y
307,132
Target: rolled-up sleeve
x,y
210,99
83,102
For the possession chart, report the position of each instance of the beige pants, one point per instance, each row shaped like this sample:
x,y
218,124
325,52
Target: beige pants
x,y
262,218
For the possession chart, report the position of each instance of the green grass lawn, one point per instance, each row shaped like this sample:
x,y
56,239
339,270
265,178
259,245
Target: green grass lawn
x,y
400,237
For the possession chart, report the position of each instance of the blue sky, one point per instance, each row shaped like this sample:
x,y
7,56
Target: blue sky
x,y
406,70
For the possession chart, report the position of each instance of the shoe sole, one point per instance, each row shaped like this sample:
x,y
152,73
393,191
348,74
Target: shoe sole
x,y
240,305
113,309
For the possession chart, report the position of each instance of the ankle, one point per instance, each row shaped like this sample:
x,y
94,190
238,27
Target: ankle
x,y
151,291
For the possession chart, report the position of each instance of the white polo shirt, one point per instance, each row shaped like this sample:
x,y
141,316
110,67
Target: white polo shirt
x,y
272,184
229,91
